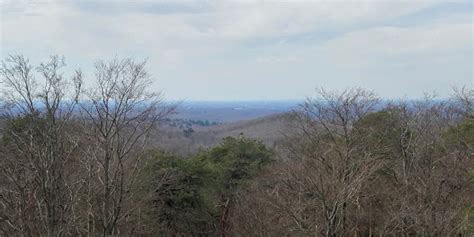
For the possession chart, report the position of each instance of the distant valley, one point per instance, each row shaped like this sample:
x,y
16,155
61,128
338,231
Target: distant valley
x,y
232,111
200,125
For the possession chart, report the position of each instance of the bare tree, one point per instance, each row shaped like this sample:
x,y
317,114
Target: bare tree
x,y
429,171
334,161
118,112
354,168
37,112
465,97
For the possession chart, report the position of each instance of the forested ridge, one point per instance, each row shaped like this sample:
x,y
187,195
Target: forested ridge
x,y
81,159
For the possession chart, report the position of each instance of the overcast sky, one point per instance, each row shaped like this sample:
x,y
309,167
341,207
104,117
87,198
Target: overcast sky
x,y
246,50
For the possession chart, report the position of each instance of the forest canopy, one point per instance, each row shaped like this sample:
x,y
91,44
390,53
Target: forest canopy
x,y
79,159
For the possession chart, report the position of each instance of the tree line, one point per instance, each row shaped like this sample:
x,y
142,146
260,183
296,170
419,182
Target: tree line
x,y
77,159
359,167
70,153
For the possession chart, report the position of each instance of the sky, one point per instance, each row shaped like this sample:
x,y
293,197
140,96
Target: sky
x,y
256,50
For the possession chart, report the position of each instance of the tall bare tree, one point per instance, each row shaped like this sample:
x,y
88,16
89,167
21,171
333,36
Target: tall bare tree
x,y
118,112
334,160
37,113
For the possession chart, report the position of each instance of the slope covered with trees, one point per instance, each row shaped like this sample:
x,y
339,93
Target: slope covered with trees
x,y
79,159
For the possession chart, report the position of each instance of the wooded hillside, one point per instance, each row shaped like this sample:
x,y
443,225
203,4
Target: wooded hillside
x,y
97,160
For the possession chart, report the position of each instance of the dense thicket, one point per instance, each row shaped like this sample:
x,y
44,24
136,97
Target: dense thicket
x,y
71,154
194,195
361,168
76,160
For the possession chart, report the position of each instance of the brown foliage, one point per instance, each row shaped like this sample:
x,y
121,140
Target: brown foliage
x,y
352,171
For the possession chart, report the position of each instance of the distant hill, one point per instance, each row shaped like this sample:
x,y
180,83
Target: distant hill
x,y
227,111
268,129
200,125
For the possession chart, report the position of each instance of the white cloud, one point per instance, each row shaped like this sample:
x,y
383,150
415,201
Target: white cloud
x,y
240,21
181,38
272,59
226,21
371,46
